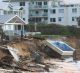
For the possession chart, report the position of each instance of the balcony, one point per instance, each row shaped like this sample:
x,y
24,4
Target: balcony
x,y
38,7
12,0
5,0
39,15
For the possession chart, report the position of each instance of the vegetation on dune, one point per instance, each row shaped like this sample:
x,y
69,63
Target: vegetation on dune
x,y
55,29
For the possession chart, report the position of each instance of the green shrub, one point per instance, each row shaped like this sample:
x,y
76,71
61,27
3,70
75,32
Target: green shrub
x,y
54,29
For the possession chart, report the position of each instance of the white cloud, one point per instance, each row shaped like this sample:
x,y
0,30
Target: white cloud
x,y
0,0
67,1
71,1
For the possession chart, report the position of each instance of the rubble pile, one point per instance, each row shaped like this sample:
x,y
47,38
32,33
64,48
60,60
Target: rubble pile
x,y
25,54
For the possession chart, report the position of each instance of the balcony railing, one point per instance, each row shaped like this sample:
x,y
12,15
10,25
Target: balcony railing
x,y
38,7
12,0
39,15
15,12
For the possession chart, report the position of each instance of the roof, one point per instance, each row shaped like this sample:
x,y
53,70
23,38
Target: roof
x,y
20,0
4,5
8,19
5,18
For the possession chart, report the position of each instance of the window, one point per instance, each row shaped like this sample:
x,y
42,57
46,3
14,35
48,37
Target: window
x,y
19,27
22,3
9,27
37,12
0,12
38,3
5,12
53,11
45,18
45,10
15,12
73,18
32,2
24,19
38,19
60,19
45,3
61,10
52,19
74,10
72,5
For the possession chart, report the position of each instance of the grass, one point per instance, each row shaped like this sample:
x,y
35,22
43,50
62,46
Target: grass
x,y
49,36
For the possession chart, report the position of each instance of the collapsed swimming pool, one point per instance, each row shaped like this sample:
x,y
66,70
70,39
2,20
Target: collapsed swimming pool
x,y
60,47
63,46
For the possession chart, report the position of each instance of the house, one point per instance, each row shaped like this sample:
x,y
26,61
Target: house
x,y
7,9
20,6
12,24
47,11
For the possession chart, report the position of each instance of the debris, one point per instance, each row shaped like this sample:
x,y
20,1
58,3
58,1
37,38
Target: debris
x,y
61,48
27,54
69,59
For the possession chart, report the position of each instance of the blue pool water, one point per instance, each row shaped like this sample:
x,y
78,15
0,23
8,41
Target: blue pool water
x,y
62,46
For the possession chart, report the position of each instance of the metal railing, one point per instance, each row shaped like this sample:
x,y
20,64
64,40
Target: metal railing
x,y
38,7
39,15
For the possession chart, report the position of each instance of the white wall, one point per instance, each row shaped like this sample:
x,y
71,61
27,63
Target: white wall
x,y
67,15
1,12
8,27
16,5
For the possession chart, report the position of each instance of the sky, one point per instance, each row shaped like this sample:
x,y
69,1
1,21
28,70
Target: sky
x,y
71,1
67,1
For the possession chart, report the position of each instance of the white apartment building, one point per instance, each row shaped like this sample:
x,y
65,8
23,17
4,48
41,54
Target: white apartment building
x,y
47,11
6,9
19,8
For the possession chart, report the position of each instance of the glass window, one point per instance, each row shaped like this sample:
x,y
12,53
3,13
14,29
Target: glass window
x,y
32,2
24,19
74,10
60,19
45,3
22,3
45,10
45,18
53,11
73,18
0,12
37,12
61,10
52,19
19,27
15,12
9,27
38,3
5,12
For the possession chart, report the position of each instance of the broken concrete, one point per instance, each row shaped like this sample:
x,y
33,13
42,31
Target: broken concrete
x,y
28,55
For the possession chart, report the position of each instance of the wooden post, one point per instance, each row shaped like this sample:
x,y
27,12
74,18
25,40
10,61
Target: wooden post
x,y
21,31
17,29
13,29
